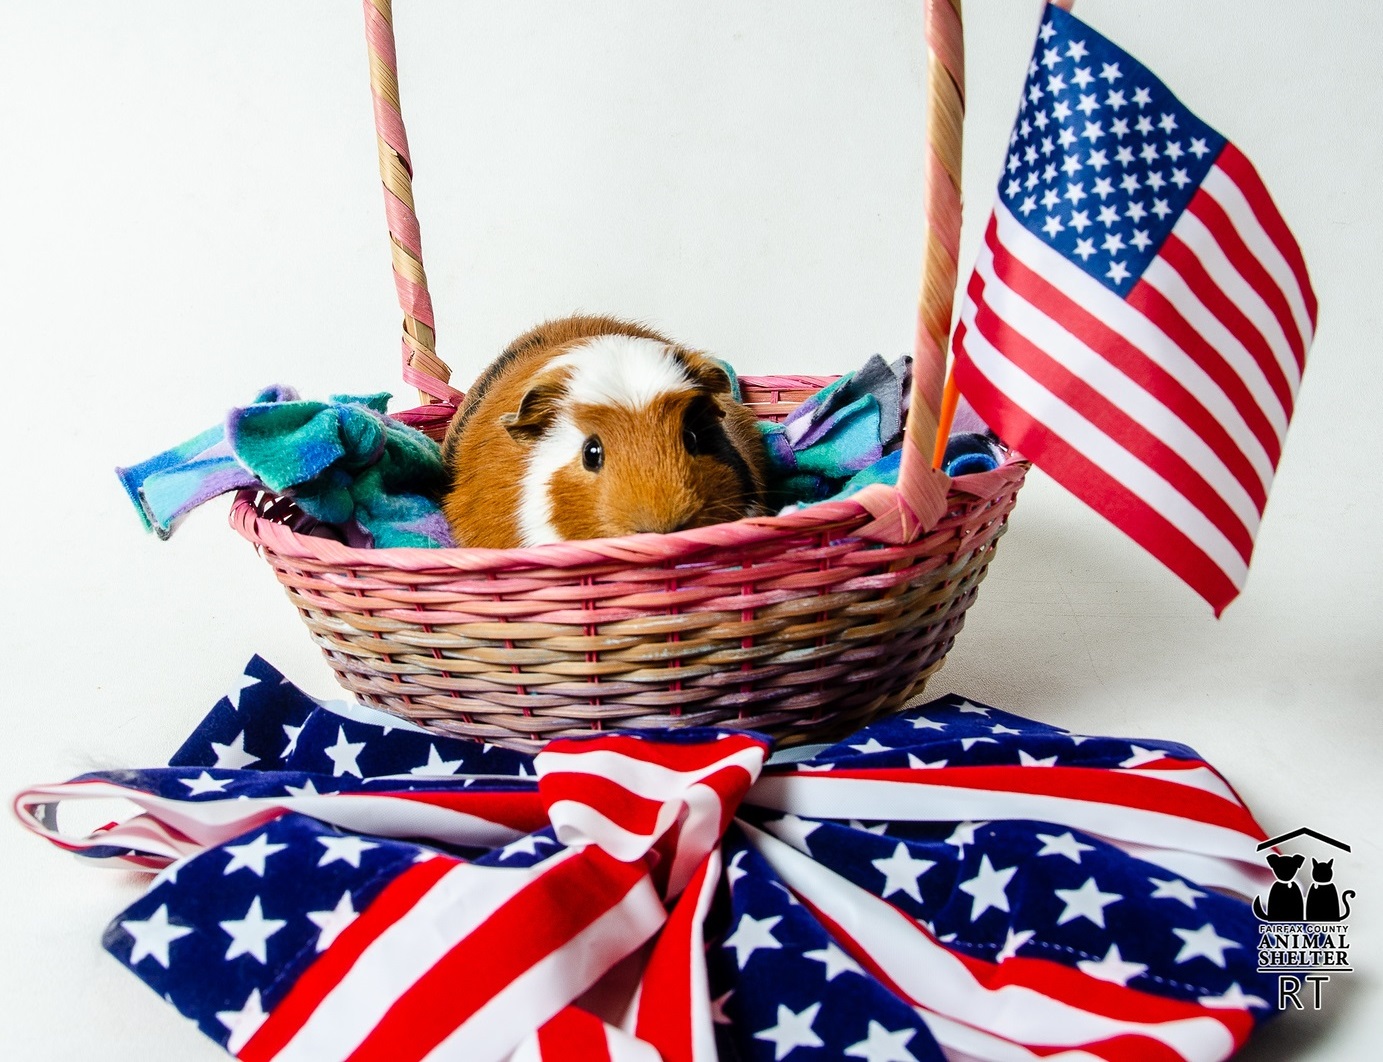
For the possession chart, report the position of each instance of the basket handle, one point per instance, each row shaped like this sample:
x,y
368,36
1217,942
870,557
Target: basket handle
x,y
422,368
921,495
920,499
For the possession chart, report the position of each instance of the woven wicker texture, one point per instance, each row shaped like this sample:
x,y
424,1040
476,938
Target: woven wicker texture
x,y
804,626
787,624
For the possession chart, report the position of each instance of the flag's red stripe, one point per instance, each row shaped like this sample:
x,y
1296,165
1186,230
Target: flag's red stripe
x,y
1158,309
1182,258
664,1017
625,809
1124,355
522,811
1167,763
1215,218
676,756
662,856
1091,785
1242,172
730,784
1101,491
317,981
1113,421
538,920
147,862
1127,1048
573,1035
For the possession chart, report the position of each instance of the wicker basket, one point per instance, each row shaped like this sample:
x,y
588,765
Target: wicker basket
x,y
805,626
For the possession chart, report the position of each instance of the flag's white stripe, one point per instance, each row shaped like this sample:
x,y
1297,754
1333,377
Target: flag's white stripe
x,y
444,916
148,836
1058,418
528,1051
1222,188
703,1045
965,1043
939,981
1158,347
653,781
820,796
398,816
578,825
1162,277
212,822
361,713
700,835
548,985
144,833
204,823
1213,258
625,1048
1117,389
1239,877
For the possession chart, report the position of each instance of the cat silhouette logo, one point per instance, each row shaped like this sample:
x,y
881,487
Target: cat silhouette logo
x,y
1303,929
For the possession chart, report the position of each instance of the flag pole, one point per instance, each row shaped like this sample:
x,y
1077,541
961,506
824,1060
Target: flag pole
x,y
950,395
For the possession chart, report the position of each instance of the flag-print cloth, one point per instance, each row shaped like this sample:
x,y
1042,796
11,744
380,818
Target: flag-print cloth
x,y
955,881
1139,315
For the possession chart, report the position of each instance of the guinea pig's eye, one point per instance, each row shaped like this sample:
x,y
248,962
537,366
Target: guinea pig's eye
x,y
690,441
592,454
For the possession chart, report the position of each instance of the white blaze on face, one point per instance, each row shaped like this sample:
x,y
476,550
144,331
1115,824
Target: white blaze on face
x,y
624,371
554,450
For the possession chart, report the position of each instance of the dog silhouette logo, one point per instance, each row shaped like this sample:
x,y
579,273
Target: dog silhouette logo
x,y
1285,900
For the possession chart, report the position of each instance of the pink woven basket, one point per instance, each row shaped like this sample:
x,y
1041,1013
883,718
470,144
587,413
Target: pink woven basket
x,y
805,625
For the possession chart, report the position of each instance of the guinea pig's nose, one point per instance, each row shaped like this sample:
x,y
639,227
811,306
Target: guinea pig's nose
x,y
663,523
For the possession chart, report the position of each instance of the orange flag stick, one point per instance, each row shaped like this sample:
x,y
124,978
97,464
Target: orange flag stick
x,y
949,397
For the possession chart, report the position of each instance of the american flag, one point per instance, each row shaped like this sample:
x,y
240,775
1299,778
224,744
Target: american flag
x,y
953,882
1138,318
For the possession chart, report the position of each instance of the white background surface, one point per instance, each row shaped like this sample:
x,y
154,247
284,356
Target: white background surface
x,y
191,212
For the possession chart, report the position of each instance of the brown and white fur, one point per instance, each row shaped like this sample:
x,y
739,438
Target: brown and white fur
x,y
593,427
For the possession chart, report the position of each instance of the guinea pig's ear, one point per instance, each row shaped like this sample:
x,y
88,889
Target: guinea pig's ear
x,y
707,374
536,411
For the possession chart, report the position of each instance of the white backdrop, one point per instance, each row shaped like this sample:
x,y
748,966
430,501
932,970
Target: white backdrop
x,y
192,212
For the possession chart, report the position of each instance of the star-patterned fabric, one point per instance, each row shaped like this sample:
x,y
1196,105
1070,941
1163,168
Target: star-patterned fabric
x,y
952,880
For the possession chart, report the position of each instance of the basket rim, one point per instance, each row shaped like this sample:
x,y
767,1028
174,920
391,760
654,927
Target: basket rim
x,y
777,381
641,549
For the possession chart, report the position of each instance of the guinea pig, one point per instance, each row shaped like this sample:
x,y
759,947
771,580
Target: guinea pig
x,y
593,427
